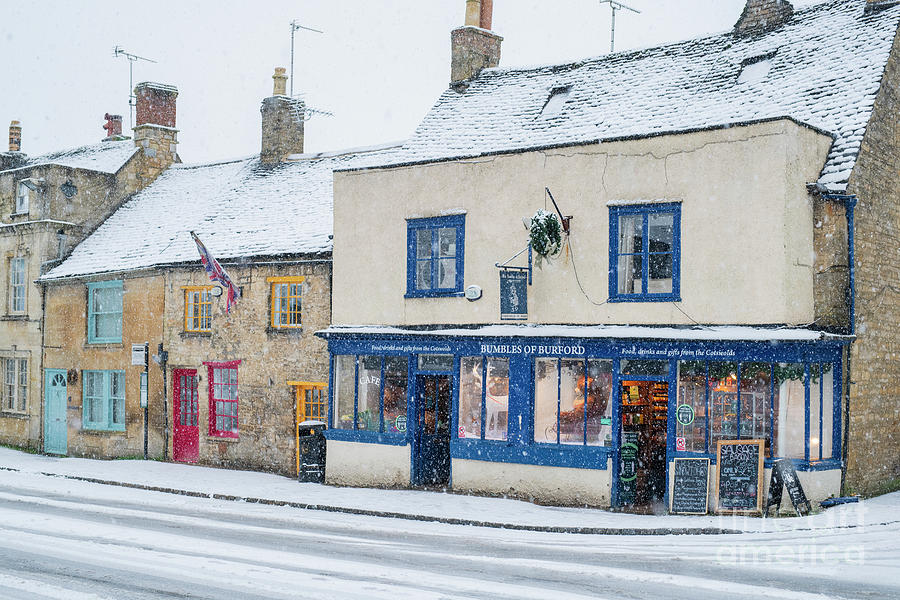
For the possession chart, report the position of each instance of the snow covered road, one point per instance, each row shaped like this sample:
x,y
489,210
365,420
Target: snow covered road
x,y
78,540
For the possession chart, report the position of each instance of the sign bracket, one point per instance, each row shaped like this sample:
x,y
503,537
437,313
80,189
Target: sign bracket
x,y
505,264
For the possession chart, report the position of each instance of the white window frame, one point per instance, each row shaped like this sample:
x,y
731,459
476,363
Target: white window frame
x,y
23,198
17,287
14,389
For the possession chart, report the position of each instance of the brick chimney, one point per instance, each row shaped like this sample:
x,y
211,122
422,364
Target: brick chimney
x,y
282,123
474,46
762,16
113,126
876,5
154,131
15,136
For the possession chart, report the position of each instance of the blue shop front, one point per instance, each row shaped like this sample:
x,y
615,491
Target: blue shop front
x,y
591,415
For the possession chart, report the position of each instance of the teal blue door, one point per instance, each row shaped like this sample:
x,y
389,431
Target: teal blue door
x,y
55,427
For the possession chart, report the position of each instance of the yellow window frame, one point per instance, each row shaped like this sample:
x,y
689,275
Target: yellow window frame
x,y
275,312
312,403
197,327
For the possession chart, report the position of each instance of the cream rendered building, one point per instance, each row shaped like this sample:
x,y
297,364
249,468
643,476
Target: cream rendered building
x,y
700,295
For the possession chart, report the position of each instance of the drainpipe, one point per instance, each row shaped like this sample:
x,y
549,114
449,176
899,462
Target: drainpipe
x,y
850,204
162,359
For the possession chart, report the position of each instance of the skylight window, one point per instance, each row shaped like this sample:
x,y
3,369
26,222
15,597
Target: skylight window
x,y
755,69
555,102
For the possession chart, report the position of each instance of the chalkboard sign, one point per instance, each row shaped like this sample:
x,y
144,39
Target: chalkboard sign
x,y
785,475
690,489
740,475
628,465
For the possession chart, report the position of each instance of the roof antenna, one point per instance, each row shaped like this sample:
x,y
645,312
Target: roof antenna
x,y
294,27
132,100
616,6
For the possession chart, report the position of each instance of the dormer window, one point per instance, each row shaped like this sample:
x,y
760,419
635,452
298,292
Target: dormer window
x,y
756,68
22,197
556,101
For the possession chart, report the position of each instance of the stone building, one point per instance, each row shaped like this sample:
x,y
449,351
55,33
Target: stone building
x,y
729,210
48,204
230,385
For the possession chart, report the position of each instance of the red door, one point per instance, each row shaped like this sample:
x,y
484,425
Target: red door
x,y
185,408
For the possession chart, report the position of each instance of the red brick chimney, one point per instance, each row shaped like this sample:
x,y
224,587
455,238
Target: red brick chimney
x,y
761,16
474,46
15,136
113,125
154,130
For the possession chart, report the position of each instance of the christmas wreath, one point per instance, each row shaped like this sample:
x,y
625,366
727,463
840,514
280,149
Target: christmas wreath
x,y
545,233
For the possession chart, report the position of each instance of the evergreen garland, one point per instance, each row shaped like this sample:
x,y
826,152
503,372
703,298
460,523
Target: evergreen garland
x,y
545,235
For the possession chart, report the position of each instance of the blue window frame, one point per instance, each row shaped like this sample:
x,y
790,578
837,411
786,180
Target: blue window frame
x,y
104,312
645,253
434,256
103,400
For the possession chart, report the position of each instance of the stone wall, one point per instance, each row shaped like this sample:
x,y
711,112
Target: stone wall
x,y
269,359
874,432
763,15
831,279
472,49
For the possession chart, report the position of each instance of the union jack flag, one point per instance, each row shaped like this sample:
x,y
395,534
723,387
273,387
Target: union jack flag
x,y
217,274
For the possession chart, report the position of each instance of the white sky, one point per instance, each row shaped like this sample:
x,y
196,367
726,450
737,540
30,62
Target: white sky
x,y
378,67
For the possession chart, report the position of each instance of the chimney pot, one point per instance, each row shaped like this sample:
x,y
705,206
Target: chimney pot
x,y
487,9
113,125
761,16
15,136
280,82
473,13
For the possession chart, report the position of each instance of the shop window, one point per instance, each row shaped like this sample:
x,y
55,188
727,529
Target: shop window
x,y
644,252
104,312
370,393
483,398
821,411
756,403
103,400
198,309
17,285
691,413
287,302
790,410
572,401
223,398
23,195
435,256
15,384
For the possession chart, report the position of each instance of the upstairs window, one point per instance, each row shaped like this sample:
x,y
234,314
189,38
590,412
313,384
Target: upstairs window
x,y
645,252
23,194
17,285
105,312
287,302
198,309
435,256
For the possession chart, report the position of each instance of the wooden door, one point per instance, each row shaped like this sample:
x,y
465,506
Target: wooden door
x,y
185,408
55,428
432,444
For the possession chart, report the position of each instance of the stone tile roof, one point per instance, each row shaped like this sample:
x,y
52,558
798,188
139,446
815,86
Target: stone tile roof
x,y
105,157
824,69
239,209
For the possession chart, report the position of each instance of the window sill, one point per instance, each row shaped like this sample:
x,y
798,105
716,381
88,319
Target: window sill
x,y
99,431
660,298
436,294
19,214
8,414
14,317
195,334
285,330
222,438
103,345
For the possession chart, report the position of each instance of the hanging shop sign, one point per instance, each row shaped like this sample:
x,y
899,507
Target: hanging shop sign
x,y
690,487
784,475
740,476
513,294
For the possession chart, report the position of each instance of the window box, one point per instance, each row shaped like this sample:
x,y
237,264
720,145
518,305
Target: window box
x,y
645,253
435,256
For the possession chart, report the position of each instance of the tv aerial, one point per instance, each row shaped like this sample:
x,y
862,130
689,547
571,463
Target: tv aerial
x,y
132,58
614,5
295,26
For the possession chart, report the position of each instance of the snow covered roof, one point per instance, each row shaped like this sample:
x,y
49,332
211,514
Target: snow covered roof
x,y
105,157
822,68
238,209
697,333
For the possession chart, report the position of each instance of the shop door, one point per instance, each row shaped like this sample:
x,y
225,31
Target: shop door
x,y
642,454
56,436
185,409
432,439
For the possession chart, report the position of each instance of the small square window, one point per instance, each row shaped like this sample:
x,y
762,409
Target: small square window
x,y
287,302
103,400
105,312
435,256
645,253
198,309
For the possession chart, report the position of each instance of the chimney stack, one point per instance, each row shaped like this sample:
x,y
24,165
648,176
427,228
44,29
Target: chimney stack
x,y
282,123
113,126
762,16
474,46
15,136
154,131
